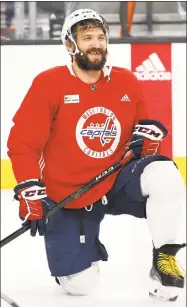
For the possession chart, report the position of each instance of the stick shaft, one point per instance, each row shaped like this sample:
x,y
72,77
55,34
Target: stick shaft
x,y
14,235
85,188
64,202
9,300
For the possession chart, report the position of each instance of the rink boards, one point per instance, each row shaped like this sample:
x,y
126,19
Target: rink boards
x,y
161,69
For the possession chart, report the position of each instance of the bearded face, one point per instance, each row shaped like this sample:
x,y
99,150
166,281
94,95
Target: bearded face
x,y
92,59
92,43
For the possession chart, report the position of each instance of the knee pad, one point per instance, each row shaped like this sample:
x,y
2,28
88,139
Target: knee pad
x,y
164,187
162,179
81,283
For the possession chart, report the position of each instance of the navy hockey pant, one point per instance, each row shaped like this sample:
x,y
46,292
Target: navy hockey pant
x,y
66,252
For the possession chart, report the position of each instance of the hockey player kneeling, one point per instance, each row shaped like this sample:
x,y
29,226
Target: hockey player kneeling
x,y
87,112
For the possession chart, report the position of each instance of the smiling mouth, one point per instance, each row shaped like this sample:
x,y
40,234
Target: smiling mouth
x,y
96,55
95,52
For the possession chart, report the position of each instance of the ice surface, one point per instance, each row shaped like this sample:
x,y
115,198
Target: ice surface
x,y
124,280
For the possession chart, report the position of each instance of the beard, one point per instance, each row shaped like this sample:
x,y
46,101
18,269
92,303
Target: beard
x,y
84,63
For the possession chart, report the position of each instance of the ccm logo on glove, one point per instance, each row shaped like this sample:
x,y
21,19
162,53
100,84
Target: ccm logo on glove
x,y
150,131
145,140
33,193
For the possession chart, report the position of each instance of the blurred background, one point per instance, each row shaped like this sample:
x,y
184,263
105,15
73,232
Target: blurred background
x,y
43,20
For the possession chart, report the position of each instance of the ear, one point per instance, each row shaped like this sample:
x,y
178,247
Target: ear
x,y
70,46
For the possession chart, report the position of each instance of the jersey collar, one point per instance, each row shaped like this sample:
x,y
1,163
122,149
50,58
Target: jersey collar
x,y
106,70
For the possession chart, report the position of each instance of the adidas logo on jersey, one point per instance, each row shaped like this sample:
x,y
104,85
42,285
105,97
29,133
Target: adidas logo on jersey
x,y
125,98
152,69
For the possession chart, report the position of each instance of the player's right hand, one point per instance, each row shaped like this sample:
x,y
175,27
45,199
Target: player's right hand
x,y
34,204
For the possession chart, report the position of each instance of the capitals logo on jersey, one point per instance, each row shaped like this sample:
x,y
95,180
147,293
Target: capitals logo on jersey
x,y
98,132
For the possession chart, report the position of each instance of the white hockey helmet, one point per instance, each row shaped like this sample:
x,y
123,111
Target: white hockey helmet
x,y
75,17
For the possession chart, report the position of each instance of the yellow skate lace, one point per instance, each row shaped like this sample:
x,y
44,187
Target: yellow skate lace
x,y
167,264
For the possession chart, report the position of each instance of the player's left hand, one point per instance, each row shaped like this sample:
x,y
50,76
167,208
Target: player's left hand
x,y
146,139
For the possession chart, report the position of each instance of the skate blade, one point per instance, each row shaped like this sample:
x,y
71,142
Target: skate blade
x,y
161,298
160,292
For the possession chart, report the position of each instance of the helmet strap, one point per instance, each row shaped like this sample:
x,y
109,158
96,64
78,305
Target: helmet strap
x,y
76,47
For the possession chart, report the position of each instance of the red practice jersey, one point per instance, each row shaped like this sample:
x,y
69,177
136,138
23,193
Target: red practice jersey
x,y
66,131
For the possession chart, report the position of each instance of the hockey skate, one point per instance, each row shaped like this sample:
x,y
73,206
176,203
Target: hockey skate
x,y
167,279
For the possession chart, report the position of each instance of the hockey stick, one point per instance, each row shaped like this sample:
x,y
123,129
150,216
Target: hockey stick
x,y
71,197
9,300
14,235
84,189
